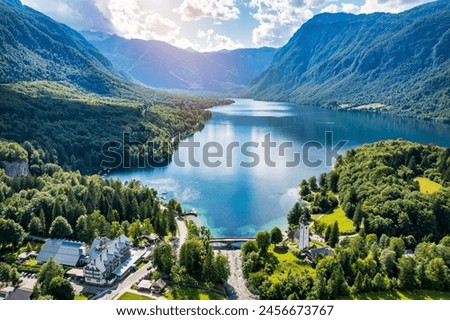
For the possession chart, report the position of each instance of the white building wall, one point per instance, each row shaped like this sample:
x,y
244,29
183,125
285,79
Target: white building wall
x,y
303,241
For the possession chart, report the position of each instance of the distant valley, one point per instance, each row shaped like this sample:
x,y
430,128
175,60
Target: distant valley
x,y
160,65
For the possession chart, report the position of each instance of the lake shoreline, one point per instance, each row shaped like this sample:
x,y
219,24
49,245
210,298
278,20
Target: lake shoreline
x,y
237,201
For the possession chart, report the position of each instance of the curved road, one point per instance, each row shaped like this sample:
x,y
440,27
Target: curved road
x,y
183,232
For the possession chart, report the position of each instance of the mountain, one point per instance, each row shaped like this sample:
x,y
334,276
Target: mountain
x,y
59,94
396,62
35,47
161,65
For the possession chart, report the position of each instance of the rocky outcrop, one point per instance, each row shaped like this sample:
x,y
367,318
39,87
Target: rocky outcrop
x,y
16,168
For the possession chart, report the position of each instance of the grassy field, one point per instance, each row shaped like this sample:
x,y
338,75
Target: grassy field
x,y
288,263
403,295
83,296
133,296
345,224
427,186
179,293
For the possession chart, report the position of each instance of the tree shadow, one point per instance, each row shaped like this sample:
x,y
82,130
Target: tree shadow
x,y
280,250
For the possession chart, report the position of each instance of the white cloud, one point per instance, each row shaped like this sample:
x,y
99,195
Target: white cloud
x,y
350,8
131,21
56,8
193,10
214,41
81,14
342,7
278,20
332,8
316,3
393,6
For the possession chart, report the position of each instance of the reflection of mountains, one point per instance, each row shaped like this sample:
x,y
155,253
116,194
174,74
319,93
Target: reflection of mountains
x,y
304,123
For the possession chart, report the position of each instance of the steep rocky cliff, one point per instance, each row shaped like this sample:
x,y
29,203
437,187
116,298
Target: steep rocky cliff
x,y
16,168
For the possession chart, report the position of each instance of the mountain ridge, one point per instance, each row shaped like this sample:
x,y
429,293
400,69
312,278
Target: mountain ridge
x,y
162,65
35,47
400,61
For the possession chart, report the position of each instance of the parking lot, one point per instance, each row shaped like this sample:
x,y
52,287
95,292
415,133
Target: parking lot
x,y
28,280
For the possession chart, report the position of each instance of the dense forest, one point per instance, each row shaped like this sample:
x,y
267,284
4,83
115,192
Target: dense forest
x,y
55,203
403,241
61,94
360,264
376,186
196,264
70,127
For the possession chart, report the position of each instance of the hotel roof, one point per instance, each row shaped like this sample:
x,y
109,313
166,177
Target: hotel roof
x,y
65,252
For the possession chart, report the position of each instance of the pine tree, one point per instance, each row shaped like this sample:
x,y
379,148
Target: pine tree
x,y
357,217
35,227
337,285
208,265
323,180
358,285
327,234
380,283
57,209
334,235
313,184
42,219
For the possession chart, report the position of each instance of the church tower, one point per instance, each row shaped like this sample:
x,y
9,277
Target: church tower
x,y
303,242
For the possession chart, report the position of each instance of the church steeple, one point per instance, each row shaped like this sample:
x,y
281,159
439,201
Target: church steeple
x,y
303,242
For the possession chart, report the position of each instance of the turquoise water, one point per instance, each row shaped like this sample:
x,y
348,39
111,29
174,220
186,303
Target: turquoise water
x,y
234,200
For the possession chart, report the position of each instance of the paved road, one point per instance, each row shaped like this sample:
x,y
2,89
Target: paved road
x,y
183,232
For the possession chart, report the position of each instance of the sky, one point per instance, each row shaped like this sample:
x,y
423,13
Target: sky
x,y
205,25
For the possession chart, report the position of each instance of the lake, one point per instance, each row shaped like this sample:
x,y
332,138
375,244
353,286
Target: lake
x,y
235,197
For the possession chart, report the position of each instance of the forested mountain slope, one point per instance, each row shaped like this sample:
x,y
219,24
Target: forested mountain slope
x,y
35,47
59,93
399,62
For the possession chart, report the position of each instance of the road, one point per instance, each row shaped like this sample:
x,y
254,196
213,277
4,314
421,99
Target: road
x,y
236,284
183,232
